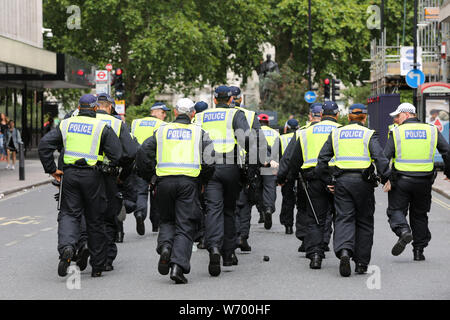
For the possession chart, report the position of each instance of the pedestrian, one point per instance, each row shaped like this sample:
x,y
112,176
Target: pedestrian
x,y
288,190
412,146
269,186
249,194
3,128
227,127
143,129
286,125
177,153
111,175
354,148
85,139
309,144
13,139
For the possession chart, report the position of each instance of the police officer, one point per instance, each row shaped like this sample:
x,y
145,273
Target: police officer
x,y
201,106
412,146
226,127
179,152
269,187
288,190
310,142
142,129
249,193
355,148
301,226
84,138
129,149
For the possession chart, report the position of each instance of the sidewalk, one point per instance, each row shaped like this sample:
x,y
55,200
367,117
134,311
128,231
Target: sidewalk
x,y
34,176
442,186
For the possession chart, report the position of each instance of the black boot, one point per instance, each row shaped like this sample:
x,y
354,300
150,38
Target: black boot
x,y
360,268
261,218
140,226
163,264
344,266
316,261
405,238
96,272
267,219
108,267
418,254
227,259
234,259
177,275
289,230
214,262
302,248
82,257
155,228
243,245
64,261
119,237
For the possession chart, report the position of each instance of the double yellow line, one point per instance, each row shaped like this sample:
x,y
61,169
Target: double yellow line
x,y
441,203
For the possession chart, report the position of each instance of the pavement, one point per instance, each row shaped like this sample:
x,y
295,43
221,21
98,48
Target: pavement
x,y
29,259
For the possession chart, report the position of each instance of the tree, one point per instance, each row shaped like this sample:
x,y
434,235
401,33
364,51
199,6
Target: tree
x,y
158,44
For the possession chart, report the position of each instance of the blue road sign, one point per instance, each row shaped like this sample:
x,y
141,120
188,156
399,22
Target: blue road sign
x,y
415,78
310,96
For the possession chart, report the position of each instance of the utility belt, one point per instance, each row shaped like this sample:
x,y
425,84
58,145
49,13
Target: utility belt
x,y
368,175
398,174
107,169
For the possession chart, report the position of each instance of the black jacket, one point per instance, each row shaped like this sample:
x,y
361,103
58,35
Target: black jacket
x,y
146,155
376,153
109,144
442,146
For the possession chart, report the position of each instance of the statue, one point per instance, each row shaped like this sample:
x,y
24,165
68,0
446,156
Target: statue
x,y
263,71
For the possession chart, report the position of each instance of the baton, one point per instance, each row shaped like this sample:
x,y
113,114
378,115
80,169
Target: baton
x,y
307,195
60,192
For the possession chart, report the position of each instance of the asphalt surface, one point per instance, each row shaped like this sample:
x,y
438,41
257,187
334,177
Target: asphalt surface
x,y
29,259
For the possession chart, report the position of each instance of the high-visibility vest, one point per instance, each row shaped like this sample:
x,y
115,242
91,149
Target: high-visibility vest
x,y
390,128
270,134
312,140
178,150
351,146
415,147
142,129
81,139
114,124
249,115
284,140
218,123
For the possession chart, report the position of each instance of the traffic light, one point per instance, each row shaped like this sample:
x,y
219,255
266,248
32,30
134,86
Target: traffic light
x,y
335,87
119,85
326,88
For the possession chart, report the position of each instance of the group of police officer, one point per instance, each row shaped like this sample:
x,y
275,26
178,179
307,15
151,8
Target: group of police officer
x,y
204,171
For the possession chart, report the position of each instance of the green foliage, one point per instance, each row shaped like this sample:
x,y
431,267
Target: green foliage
x,y
68,97
178,44
406,96
356,94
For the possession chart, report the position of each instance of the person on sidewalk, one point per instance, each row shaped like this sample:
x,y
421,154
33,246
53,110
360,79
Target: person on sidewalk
x,y
13,139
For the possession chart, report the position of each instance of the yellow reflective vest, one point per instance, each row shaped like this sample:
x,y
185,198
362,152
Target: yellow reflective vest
x,y
351,146
178,150
218,123
81,138
270,134
312,140
112,122
142,129
284,140
415,147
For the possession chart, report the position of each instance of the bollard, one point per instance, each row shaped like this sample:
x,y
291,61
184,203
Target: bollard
x,y
21,162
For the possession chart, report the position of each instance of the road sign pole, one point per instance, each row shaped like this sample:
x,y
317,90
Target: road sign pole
x,y
109,82
415,50
309,46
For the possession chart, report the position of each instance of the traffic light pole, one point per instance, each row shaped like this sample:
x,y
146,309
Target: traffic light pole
x,y
415,50
309,45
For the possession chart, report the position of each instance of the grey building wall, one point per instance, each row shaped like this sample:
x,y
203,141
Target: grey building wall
x,y
21,20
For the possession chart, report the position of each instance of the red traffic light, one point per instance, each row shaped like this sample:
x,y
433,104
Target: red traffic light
x,y
80,72
118,72
326,81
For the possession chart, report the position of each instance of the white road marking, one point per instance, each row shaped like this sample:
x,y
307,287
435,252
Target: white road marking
x,y
30,235
46,229
11,243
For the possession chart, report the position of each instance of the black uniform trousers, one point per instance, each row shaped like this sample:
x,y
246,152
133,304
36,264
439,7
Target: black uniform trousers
x,y
177,197
200,234
83,193
288,203
353,227
243,215
112,211
316,234
301,217
221,194
415,193
142,201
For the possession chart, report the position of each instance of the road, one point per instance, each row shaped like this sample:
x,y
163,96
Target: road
x,y
29,259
